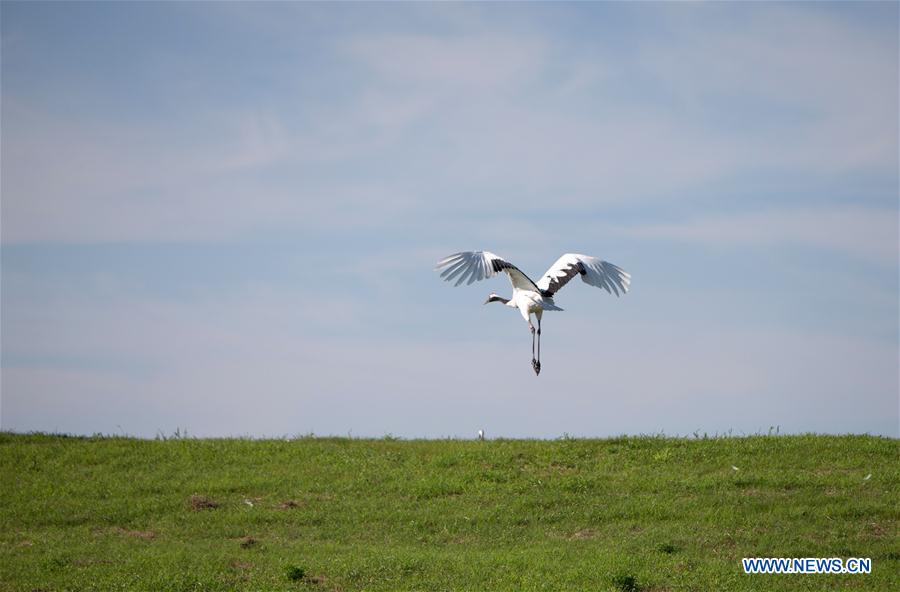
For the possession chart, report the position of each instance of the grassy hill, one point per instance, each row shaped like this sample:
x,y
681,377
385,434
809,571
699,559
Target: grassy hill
x,y
311,514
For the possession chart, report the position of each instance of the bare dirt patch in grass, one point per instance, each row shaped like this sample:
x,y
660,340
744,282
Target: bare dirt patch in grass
x,y
201,502
876,529
288,505
248,541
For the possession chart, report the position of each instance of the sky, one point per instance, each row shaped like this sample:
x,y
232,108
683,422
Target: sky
x,y
224,217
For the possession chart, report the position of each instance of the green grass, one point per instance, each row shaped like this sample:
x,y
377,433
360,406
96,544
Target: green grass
x,y
621,514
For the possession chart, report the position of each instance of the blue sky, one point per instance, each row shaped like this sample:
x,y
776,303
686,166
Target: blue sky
x,y
224,217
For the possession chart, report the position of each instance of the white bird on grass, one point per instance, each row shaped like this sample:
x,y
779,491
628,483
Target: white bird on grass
x,y
530,297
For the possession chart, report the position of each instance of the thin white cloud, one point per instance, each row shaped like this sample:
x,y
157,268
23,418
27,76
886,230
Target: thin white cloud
x,y
73,181
867,233
481,61
445,124
838,80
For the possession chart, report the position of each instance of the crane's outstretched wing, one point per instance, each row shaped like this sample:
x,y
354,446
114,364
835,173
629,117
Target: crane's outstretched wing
x,y
593,271
470,266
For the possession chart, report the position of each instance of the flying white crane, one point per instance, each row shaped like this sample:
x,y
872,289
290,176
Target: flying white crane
x,y
529,297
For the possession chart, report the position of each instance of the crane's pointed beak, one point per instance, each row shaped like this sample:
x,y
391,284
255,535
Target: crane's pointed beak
x,y
488,300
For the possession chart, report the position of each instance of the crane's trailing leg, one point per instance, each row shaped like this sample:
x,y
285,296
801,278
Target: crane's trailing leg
x,y
536,364
531,328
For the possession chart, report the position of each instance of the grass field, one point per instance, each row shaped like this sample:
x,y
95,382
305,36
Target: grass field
x,y
626,514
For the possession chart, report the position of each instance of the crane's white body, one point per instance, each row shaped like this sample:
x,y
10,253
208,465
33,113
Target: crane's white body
x,y
530,303
528,297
